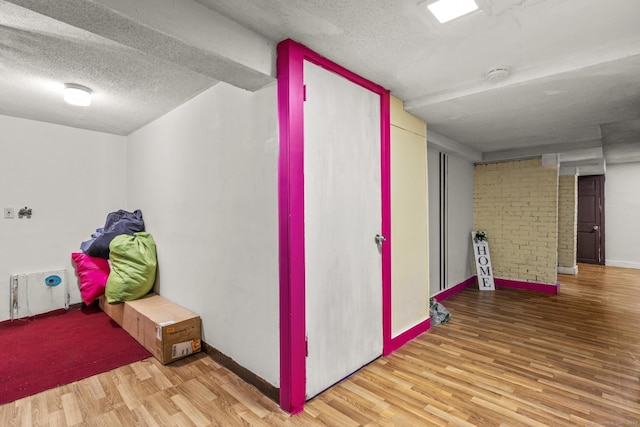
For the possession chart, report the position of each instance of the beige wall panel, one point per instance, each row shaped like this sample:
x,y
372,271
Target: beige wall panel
x,y
409,227
517,204
404,120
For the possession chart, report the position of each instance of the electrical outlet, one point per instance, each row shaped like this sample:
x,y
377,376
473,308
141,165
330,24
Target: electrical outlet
x,y
9,213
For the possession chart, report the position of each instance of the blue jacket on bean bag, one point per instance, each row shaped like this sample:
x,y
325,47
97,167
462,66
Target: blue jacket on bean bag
x,y
117,223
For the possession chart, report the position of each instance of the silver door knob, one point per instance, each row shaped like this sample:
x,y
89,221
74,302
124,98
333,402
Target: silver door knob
x,y
595,227
380,238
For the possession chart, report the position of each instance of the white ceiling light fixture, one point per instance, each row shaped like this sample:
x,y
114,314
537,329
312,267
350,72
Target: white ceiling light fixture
x,y
76,94
447,10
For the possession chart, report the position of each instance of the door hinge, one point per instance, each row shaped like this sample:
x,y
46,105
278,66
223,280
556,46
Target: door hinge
x,y
304,92
306,346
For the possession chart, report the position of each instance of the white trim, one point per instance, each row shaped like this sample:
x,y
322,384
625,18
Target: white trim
x,y
623,264
568,270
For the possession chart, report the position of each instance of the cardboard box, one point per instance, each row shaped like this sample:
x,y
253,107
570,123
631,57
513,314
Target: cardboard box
x,y
115,311
167,330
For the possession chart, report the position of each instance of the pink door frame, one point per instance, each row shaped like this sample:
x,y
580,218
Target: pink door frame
x,y
291,56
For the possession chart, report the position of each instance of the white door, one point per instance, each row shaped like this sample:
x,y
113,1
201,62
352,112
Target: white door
x,y
343,263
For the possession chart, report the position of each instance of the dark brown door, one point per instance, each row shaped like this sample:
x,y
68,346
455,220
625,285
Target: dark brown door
x,y
591,219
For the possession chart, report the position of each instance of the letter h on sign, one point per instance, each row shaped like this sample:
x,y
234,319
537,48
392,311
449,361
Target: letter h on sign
x,y
483,263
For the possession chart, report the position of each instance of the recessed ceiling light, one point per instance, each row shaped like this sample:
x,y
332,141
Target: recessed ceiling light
x,y
76,94
446,10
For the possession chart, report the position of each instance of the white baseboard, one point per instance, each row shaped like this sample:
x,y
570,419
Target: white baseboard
x,y
568,270
623,264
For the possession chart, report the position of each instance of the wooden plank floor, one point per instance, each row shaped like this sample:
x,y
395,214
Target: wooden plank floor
x,y
506,358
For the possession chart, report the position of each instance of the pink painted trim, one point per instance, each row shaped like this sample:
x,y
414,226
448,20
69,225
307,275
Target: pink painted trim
x,y
408,335
291,228
396,342
443,295
385,175
531,286
327,64
291,56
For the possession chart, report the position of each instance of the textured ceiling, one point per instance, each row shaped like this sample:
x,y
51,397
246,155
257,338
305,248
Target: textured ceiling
x,y
139,64
131,88
574,64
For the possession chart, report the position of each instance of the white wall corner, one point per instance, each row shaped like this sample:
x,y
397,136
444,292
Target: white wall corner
x,y
568,171
568,270
441,143
550,160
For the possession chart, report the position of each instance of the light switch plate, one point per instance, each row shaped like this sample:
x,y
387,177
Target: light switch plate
x,y
9,213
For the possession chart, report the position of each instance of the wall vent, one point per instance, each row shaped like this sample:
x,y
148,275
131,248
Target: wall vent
x,y
36,293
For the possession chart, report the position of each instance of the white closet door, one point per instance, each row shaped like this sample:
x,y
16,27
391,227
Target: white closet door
x,y
343,263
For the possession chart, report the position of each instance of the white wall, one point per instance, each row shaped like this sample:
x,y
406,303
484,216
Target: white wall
x,y
622,215
433,163
459,199
205,178
460,254
71,178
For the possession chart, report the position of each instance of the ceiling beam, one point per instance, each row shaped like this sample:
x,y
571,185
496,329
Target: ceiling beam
x,y
441,143
572,63
539,150
598,168
184,32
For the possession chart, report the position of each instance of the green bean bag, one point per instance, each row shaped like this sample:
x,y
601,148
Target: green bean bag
x,y
133,267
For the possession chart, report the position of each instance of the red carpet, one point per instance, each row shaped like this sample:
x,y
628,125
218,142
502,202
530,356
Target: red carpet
x,y
57,349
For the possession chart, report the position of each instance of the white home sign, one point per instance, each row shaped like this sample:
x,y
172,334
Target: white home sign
x,y
483,261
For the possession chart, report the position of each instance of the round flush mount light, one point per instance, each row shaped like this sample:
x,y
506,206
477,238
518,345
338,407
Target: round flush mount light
x,y
76,94
497,74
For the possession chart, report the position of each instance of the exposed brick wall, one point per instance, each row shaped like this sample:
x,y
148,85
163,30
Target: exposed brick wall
x,y
567,220
516,203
